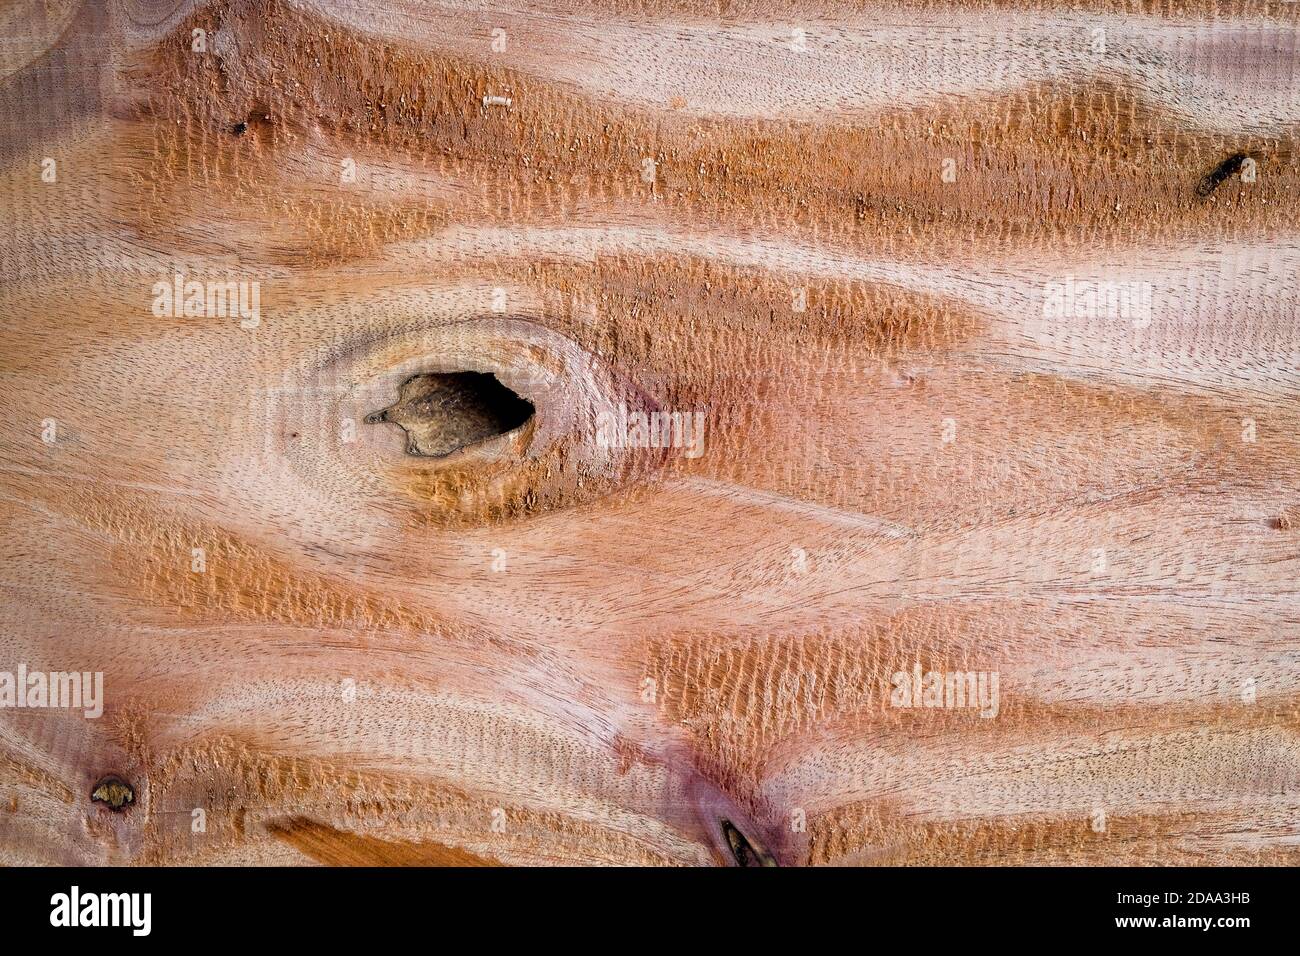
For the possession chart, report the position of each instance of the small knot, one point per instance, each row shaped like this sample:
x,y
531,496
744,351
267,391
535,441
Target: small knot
x,y
114,792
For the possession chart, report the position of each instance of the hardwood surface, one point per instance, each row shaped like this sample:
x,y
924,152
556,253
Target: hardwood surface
x,y
859,238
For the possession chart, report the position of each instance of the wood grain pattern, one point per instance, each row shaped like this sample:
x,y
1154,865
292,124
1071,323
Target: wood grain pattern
x,y
989,310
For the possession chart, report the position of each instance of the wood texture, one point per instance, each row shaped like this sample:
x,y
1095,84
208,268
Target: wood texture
x,y
860,239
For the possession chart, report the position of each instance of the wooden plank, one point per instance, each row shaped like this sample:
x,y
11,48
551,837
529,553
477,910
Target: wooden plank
x,y
877,355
